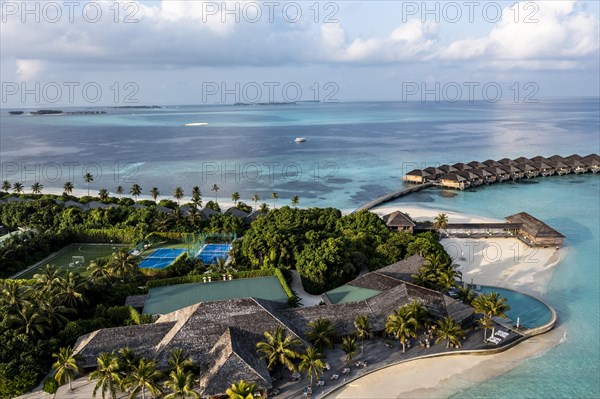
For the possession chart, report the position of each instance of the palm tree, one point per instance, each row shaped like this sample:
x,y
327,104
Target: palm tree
x,y
446,279
216,189
88,178
48,281
107,375
179,360
54,315
264,208
120,190
144,376
65,366
70,290
363,327
136,191
181,384
255,198
36,188
311,363
418,312
68,187
28,320
440,222
449,330
321,333
178,194
14,294
279,348
486,324
235,197
98,271
6,186
127,359
18,187
123,265
274,196
466,295
295,201
402,325
241,390
154,193
103,194
350,347
196,197
491,305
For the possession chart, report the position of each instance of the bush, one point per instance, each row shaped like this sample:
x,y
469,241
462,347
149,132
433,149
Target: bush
x,y
50,386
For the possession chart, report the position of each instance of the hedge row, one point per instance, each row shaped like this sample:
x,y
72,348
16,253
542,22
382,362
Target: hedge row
x,y
115,235
217,276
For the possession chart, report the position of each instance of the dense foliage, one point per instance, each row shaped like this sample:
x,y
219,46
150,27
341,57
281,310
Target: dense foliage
x,y
326,248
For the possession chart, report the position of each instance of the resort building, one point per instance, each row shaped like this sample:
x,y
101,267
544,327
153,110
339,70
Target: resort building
x,y
535,232
221,336
475,173
454,180
398,221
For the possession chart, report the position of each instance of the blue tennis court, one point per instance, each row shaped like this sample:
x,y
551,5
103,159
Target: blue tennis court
x,y
211,252
161,258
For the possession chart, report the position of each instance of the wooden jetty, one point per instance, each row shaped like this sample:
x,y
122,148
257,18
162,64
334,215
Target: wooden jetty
x,y
394,195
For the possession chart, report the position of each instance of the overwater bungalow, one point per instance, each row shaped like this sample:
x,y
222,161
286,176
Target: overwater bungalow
x,y
501,174
461,166
529,170
544,168
473,178
576,166
434,172
535,232
416,176
592,161
486,177
512,171
561,168
398,221
454,180
448,169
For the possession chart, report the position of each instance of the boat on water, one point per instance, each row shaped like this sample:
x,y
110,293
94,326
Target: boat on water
x,y
196,124
300,139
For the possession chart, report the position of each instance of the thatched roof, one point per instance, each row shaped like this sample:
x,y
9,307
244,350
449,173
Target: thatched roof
x,y
433,171
491,162
398,219
532,225
447,168
233,358
540,158
453,177
142,339
507,161
136,301
523,160
238,213
375,281
476,164
418,172
556,158
207,213
404,269
461,166
575,156
255,214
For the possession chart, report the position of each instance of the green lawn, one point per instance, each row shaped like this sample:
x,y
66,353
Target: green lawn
x,y
90,252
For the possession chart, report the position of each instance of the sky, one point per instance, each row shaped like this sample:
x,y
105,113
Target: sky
x,y
125,53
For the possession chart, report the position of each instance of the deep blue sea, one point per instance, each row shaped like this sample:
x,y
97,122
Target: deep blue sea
x,y
355,152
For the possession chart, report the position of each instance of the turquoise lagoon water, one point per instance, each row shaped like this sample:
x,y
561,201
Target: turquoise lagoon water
x,y
571,204
355,152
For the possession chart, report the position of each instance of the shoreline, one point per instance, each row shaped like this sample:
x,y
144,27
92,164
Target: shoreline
x,y
443,377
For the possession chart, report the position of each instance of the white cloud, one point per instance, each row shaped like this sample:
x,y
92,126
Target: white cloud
x,y
28,70
562,32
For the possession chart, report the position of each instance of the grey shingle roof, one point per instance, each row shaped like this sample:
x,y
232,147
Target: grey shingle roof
x,y
398,219
533,226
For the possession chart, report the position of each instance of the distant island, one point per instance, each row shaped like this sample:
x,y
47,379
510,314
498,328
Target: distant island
x,y
57,112
279,102
138,107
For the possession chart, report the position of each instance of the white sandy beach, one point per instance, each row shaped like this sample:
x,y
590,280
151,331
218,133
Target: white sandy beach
x,y
502,262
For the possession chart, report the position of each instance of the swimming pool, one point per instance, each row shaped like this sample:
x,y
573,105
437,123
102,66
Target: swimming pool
x,y
531,312
211,252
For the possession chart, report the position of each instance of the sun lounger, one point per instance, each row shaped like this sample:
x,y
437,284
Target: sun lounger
x,y
502,334
320,383
494,340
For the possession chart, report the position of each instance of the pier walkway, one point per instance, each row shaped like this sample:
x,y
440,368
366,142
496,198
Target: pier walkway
x,y
394,195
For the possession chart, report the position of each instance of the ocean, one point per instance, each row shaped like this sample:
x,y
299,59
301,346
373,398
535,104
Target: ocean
x,y
354,152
